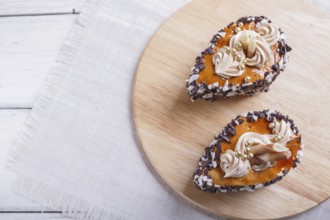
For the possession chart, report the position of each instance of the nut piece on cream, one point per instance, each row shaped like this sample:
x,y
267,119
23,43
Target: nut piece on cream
x,y
257,151
256,50
246,47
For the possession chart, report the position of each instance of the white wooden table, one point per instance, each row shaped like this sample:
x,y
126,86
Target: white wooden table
x,y
31,34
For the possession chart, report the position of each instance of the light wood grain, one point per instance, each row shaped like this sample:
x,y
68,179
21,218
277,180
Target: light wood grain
x,y
21,7
29,47
174,131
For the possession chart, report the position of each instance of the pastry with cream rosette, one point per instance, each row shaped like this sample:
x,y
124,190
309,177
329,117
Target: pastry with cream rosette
x,y
254,150
242,59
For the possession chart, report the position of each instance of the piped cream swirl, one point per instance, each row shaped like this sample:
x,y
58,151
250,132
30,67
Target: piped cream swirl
x,y
256,50
232,165
269,31
260,139
282,129
236,167
225,65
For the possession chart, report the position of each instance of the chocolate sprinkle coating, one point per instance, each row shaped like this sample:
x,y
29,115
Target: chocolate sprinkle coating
x,y
212,155
210,92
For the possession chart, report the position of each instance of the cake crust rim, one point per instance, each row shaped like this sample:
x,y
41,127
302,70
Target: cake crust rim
x,y
207,162
212,91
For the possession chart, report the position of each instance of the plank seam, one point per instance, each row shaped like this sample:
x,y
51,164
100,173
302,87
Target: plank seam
x,y
30,212
73,12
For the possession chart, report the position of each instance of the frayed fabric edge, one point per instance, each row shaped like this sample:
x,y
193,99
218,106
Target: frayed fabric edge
x,y
49,196
51,86
31,187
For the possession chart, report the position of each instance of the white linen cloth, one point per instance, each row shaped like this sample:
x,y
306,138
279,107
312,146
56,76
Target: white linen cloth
x,y
77,151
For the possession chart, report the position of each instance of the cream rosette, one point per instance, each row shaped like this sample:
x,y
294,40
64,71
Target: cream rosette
x,y
269,31
232,165
225,64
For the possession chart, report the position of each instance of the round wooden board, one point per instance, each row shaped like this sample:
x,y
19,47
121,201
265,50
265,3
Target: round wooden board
x,y
174,131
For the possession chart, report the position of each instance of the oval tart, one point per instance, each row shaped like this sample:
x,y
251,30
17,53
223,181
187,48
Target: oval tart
x,y
242,59
254,150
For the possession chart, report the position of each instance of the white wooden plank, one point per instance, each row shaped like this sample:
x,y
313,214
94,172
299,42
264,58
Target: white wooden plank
x,y
32,216
12,7
29,47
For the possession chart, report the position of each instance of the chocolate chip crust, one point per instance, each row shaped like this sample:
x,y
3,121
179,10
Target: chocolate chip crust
x,y
204,83
210,178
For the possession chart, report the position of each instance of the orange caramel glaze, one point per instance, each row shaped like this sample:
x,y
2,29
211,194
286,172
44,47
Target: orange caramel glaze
x,y
208,76
254,177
